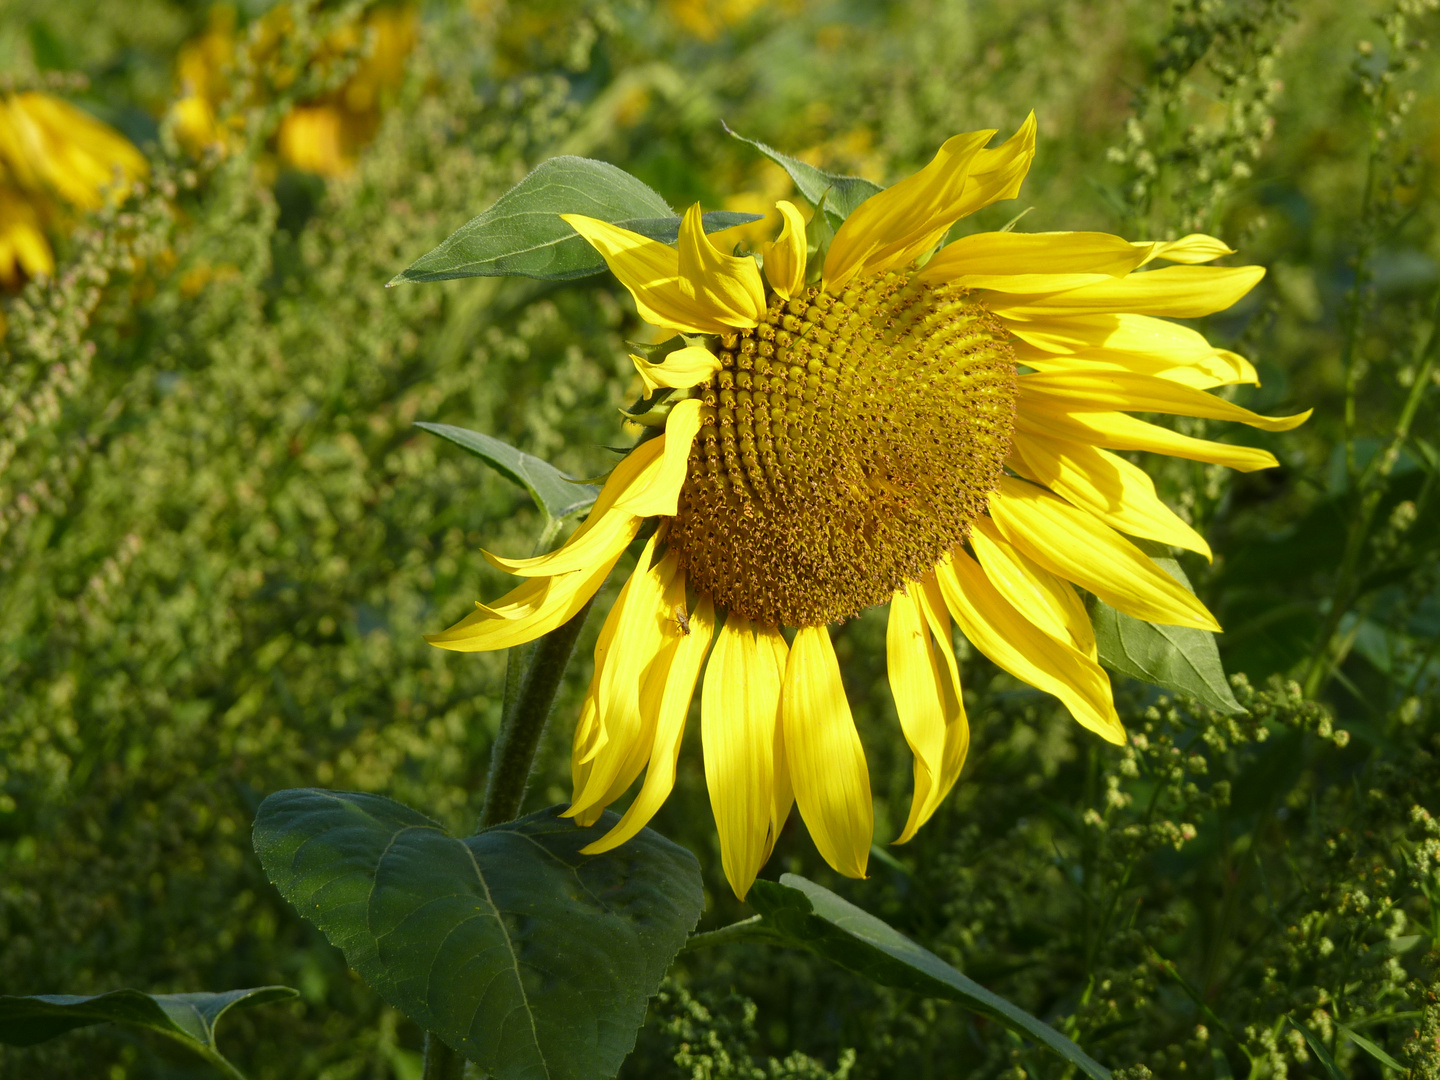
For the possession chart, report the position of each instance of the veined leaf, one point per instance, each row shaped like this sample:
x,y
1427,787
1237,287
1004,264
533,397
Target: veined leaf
x,y
532,960
845,193
554,492
522,234
810,916
188,1019
1178,658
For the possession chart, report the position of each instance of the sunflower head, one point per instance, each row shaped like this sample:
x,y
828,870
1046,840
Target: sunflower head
x,y
846,443
926,426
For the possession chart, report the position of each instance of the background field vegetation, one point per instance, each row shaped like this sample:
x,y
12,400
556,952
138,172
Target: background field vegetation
x,y
221,537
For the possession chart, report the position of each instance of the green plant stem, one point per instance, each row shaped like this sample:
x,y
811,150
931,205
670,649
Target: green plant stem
x,y
1371,489
511,759
521,728
441,1062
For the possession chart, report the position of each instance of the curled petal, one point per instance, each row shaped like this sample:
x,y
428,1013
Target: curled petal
x,y
785,258
680,370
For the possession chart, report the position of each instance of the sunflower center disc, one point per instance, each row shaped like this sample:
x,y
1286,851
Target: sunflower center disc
x,y
846,444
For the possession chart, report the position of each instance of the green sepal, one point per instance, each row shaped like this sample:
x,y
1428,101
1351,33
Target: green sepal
x,y
557,494
841,194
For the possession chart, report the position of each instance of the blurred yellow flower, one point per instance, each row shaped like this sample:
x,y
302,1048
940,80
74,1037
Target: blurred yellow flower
x,y
52,155
323,135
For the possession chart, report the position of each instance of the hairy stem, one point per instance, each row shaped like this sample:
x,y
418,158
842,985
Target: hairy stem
x,y
511,760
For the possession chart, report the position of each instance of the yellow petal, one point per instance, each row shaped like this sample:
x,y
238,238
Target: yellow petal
x,y
1117,492
651,271
729,284
1046,600
782,791
785,258
1109,391
957,726
915,683
634,473
526,613
1182,292
1118,431
739,713
996,255
897,225
1018,646
997,174
610,535
680,370
827,763
1195,248
1218,369
685,655
582,755
639,618
1136,342
1081,548
656,492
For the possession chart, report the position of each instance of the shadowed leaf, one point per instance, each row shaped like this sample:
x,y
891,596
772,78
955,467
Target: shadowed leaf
x,y
532,960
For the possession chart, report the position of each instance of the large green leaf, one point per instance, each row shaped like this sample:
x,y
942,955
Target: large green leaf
x,y
554,492
532,960
522,234
1178,658
811,916
841,194
188,1019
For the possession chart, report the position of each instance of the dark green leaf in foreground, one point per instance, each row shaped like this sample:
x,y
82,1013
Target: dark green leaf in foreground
x,y
553,491
188,1019
845,192
532,960
522,234
811,916
1178,658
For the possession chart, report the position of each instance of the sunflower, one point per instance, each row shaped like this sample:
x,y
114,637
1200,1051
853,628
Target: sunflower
x,y
52,155
892,424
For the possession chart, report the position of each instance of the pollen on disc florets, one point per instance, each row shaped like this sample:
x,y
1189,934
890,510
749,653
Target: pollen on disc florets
x,y
846,443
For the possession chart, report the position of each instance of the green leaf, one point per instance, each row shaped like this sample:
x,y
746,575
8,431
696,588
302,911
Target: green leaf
x,y
1178,658
1318,1049
554,492
1370,1048
812,917
845,193
532,960
188,1019
522,234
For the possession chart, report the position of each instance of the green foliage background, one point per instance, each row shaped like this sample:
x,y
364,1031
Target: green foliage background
x,y
221,538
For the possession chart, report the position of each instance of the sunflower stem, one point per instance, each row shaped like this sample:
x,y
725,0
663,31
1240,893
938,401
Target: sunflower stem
x,y
511,759
751,929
